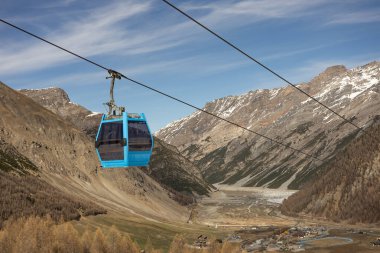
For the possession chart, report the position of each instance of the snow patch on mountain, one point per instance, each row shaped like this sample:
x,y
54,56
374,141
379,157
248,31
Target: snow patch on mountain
x,y
93,114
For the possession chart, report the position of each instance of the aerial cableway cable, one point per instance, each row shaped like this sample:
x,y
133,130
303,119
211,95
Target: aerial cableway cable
x,y
162,93
258,62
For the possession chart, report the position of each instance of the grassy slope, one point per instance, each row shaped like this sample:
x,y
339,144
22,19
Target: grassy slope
x,y
160,234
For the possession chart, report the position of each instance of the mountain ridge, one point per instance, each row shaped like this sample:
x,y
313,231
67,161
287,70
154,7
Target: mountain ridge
x,y
58,101
229,155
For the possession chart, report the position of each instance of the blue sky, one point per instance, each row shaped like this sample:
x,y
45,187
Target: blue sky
x,y
150,42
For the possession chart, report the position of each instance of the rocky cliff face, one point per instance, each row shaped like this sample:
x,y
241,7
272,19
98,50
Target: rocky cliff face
x,y
230,155
167,165
348,187
58,101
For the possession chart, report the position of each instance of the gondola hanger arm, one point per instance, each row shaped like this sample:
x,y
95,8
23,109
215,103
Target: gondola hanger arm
x,y
113,109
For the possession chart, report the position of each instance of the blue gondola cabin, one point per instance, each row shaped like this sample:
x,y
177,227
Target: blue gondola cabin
x,y
124,141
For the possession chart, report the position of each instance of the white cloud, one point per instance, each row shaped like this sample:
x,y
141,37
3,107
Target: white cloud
x,y
127,28
105,31
57,4
356,17
285,54
251,11
95,34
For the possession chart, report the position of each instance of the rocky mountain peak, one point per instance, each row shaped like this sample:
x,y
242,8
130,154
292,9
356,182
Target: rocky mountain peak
x,y
328,74
53,96
334,70
372,64
58,101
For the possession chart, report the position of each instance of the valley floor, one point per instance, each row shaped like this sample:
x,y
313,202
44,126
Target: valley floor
x,y
246,217
252,217
242,206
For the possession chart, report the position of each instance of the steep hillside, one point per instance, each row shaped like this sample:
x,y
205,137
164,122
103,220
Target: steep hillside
x,y
348,188
66,159
171,169
23,193
167,165
12,161
230,155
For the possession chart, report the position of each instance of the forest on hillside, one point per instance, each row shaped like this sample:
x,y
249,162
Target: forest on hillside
x,y
23,193
27,195
349,185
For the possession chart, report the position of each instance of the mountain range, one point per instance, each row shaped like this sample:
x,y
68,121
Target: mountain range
x,y
227,154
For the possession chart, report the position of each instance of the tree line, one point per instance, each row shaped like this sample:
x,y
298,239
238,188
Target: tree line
x,y
28,195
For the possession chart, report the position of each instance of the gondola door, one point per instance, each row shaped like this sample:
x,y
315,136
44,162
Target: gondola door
x,y
140,142
112,142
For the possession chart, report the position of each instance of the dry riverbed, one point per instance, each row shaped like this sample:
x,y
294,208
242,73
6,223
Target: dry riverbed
x,y
242,206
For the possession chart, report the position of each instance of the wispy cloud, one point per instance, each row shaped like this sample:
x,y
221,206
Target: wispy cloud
x,y
178,66
122,28
285,54
355,17
251,11
98,33
57,4
184,64
103,31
